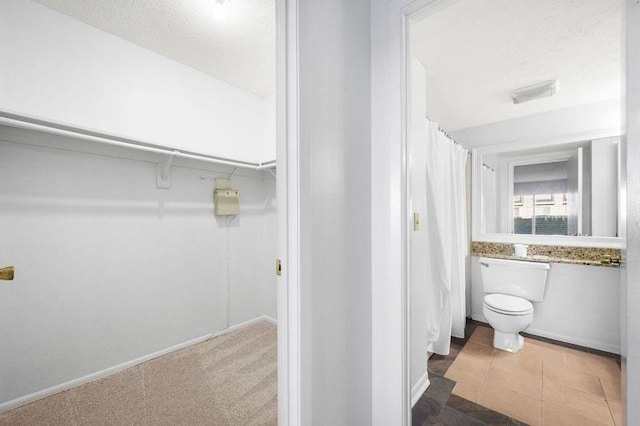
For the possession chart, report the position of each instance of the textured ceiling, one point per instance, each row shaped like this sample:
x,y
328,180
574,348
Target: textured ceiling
x,y
477,51
238,48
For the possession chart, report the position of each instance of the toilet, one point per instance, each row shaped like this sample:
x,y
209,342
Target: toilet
x,y
510,287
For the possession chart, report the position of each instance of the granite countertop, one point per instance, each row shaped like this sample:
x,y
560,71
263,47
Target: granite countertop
x,y
547,254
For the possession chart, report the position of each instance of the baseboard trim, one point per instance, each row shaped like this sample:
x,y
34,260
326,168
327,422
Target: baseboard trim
x,y
270,320
567,339
244,324
23,400
576,341
419,388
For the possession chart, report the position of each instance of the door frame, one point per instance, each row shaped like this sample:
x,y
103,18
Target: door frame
x,y
411,13
287,189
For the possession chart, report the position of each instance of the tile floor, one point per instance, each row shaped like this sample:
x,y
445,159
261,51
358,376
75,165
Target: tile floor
x,y
438,406
543,384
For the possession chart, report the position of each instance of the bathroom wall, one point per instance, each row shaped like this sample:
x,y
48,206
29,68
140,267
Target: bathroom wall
x,y
600,117
581,305
58,68
110,269
604,182
418,247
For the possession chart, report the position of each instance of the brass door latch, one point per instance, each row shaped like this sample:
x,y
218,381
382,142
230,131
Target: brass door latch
x,y
7,273
278,267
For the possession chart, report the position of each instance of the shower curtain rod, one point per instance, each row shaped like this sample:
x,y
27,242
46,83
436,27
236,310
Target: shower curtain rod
x,y
50,127
490,168
444,131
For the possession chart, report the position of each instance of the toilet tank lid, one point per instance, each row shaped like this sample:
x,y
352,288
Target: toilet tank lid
x,y
488,261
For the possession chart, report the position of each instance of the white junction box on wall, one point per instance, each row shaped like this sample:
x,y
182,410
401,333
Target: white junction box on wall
x,y
226,200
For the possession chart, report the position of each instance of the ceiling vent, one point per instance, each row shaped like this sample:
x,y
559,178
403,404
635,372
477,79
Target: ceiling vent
x,y
534,91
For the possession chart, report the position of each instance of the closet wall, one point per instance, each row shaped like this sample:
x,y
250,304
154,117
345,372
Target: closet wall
x,y
110,269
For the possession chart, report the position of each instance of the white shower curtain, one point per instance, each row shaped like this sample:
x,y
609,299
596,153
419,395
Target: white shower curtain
x,y
446,226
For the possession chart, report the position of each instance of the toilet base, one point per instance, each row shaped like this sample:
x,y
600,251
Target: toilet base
x,y
510,342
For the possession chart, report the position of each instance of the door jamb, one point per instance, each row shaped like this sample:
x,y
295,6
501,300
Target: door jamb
x,y
288,212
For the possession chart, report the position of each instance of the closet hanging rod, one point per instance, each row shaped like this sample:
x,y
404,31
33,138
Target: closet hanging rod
x,y
50,127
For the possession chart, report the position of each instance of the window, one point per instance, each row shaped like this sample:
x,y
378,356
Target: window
x,y
540,214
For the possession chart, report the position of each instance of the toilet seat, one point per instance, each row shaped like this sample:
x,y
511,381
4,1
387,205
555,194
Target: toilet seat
x,y
508,305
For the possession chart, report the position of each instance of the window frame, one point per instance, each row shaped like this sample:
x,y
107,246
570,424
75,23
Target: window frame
x,y
527,160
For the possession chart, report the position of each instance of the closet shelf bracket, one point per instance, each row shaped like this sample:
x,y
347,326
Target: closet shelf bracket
x,y
163,172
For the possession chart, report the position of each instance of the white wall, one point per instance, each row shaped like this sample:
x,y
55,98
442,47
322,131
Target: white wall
x,y
418,240
545,127
265,144
580,306
333,92
253,237
604,187
109,268
55,67
630,297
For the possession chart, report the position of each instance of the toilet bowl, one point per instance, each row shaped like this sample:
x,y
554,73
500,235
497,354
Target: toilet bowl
x,y
510,287
508,315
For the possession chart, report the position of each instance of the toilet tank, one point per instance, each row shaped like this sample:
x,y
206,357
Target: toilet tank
x,y
516,278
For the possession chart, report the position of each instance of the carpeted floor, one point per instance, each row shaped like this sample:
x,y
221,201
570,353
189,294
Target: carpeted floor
x,y
228,380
